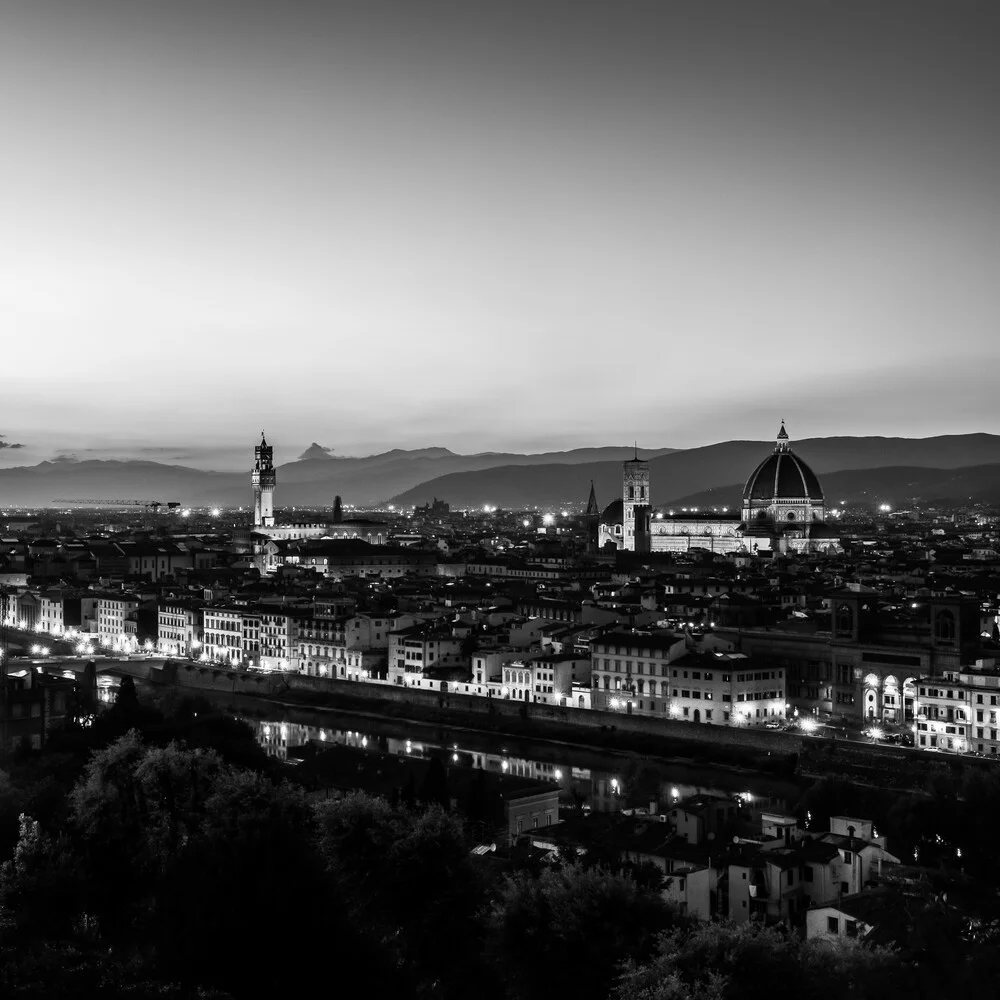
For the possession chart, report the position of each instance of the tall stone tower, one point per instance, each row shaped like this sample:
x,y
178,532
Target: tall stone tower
x,y
264,480
635,504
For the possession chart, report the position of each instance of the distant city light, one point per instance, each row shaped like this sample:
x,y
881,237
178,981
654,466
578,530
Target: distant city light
x,y
885,508
525,523
186,513
216,512
808,725
558,774
548,519
875,733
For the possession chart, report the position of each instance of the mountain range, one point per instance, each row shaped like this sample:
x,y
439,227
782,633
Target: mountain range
x,y
679,476
889,469
312,480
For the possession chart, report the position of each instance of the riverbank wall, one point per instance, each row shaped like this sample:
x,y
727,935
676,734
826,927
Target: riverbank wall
x,y
751,749
331,692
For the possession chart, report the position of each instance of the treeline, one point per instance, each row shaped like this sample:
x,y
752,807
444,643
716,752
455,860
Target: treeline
x,y
168,858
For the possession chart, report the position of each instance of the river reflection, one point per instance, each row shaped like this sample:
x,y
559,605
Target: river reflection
x,y
591,777
639,784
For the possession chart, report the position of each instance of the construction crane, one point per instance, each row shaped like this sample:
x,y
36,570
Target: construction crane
x,y
151,504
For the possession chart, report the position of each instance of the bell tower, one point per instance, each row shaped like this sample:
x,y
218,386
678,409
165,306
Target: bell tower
x,y
263,479
635,503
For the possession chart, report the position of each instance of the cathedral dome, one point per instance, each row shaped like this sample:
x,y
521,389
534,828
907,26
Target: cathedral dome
x,y
782,476
614,513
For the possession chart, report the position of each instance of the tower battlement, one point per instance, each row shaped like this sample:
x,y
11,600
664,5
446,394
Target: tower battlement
x,y
263,479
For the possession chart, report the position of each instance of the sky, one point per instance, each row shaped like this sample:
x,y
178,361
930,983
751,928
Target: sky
x,y
493,226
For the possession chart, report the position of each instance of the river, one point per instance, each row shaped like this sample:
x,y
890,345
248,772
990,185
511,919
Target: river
x,y
593,777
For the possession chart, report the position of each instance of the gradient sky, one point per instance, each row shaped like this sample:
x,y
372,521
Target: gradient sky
x,y
507,225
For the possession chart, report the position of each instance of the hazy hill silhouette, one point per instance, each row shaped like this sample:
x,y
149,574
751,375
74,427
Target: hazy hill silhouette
x,y
895,485
308,482
692,471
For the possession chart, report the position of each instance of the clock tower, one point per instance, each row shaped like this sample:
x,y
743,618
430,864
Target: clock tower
x,y
263,479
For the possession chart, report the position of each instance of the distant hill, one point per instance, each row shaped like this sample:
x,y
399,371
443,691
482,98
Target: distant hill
x,y
692,471
895,485
310,481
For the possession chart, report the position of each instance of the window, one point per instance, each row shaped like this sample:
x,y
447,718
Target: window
x,y
807,874
851,928
833,925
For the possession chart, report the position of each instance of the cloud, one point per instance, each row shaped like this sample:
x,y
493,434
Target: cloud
x,y
316,451
65,457
7,444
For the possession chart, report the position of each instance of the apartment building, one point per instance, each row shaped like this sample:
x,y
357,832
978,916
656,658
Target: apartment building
x,y
112,610
630,670
415,649
958,711
222,634
727,689
178,628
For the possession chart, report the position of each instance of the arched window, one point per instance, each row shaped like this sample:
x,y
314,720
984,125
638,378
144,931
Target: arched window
x,y
631,493
845,618
944,626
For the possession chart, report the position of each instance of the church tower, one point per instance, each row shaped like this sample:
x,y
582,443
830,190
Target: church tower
x,y
264,480
635,504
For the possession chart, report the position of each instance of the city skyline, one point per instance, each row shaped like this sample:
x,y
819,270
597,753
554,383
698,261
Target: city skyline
x,y
493,229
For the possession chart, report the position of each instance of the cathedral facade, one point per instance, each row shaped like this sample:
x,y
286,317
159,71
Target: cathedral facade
x,y
783,510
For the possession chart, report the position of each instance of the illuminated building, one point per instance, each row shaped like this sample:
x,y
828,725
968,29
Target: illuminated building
x,y
783,510
264,479
960,710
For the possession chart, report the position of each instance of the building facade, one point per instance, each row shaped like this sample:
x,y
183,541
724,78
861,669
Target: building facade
x,y
783,510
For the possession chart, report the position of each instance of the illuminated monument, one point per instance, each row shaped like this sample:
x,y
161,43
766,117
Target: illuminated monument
x,y
264,480
783,510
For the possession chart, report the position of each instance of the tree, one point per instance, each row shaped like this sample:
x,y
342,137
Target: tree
x,y
407,878
747,961
132,811
250,872
567,931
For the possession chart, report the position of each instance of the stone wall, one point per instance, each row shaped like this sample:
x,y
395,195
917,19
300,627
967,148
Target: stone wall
x,y
206,678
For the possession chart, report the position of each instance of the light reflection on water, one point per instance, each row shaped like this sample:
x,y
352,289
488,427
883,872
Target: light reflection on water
x,y
602,790
629,782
